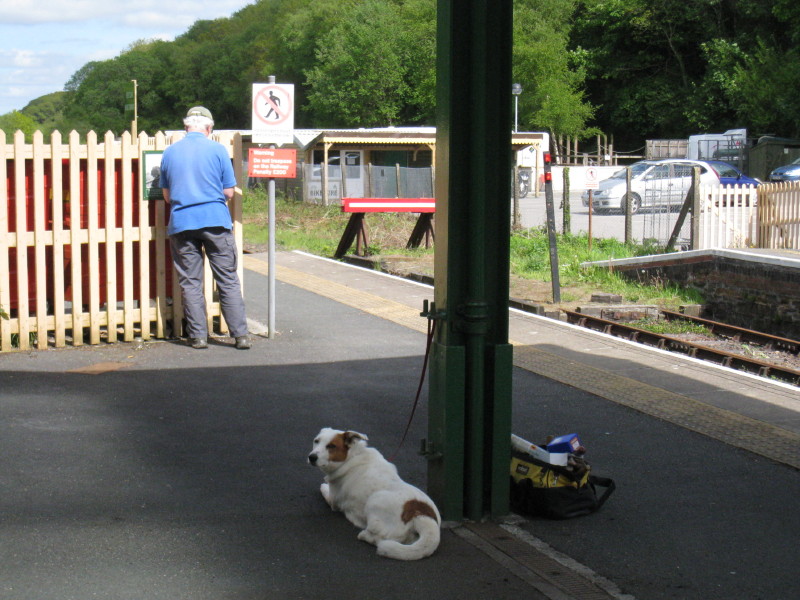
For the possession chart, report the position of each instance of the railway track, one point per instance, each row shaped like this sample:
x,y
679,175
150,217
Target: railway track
x,y
700,351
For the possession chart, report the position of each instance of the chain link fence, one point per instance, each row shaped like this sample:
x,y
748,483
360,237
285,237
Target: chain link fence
x,y
655,205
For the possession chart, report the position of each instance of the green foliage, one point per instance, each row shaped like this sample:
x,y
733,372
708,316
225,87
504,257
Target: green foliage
x,y
670,327
359,79
374,66
552,77
317,229
354,63
530,258
765,90
299,225
100,98
636,69
47,111
16,120
672,68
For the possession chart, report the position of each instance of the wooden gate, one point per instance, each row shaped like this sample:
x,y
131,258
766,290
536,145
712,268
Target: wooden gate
x,y
779,215
84,257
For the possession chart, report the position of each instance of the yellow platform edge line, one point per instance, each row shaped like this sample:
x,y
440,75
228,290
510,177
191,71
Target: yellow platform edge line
x,y
723,425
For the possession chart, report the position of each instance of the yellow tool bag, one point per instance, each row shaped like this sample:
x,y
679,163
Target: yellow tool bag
x,y
555,492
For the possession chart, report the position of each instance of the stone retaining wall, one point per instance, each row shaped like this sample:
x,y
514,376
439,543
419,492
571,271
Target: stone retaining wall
x,y
755,293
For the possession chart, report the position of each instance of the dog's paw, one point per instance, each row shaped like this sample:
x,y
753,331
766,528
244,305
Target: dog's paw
x,y
366,536
324,489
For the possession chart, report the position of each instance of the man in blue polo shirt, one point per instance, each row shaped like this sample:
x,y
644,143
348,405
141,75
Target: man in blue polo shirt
x,y
198,180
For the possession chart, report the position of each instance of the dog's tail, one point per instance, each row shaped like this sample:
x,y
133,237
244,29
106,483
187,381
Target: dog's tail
x,y
427,528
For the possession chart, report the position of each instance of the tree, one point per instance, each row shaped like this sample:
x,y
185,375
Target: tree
x,y
80,76
14,121
99,101
360,77
765,90
552,77
47,111
760,69
642,57
668,68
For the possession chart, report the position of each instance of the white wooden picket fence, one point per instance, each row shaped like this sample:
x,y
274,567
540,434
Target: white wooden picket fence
x,y
84,258
728,218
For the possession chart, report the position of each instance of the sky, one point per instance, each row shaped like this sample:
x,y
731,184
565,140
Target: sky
x,y
44,42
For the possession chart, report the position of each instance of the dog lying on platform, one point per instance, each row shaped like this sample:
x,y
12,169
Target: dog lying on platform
x,y
401,520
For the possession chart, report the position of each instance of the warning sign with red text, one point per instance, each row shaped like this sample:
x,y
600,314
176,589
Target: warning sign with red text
x,y
272,162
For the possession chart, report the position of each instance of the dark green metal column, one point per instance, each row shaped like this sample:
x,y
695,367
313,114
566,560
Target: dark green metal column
x,y
471,360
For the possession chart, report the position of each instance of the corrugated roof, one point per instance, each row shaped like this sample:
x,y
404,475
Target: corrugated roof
x,y
395,136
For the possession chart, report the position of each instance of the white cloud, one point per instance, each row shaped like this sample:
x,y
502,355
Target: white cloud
x,y
16,91
26,58
180,13
44,42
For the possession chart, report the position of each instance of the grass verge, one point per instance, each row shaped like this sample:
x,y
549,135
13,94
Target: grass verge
x,y
317,229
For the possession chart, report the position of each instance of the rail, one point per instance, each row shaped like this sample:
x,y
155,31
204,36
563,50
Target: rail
x,y
699,351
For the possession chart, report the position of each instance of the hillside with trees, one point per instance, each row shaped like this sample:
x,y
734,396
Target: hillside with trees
x,y
636,69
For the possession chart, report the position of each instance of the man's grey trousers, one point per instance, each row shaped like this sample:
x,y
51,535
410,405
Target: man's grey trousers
x,y
187,255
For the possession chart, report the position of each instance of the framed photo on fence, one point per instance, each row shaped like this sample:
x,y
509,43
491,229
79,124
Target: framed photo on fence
x,y
151,175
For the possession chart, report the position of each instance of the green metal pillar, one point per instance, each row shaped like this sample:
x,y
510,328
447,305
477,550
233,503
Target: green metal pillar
x,y
471,359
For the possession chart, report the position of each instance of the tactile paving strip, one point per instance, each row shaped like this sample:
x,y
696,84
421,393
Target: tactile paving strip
x,y
737,430
723,425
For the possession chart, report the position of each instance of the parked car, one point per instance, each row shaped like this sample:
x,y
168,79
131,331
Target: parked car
x,y
790,172
730,175
654,184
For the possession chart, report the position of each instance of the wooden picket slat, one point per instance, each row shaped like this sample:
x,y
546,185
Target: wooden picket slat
x,y
5,274
21,243
129,236
40,241
79,248
92,208
56,185
161,253
145,235
110,230
76,241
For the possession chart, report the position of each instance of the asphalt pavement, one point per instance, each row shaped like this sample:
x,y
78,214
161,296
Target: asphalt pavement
x,y
152,470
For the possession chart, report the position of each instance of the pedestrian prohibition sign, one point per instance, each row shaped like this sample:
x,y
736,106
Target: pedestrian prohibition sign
x,y
273,113
591,179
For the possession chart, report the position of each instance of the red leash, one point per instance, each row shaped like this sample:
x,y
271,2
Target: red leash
x,y
431,330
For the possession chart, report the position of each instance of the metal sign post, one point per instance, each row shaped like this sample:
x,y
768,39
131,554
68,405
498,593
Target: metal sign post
x,y
591,183
273,124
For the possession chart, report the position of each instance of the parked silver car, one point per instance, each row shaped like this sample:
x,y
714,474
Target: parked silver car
x,y
654,184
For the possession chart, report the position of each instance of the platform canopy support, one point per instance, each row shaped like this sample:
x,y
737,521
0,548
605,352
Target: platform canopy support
x,y
471,360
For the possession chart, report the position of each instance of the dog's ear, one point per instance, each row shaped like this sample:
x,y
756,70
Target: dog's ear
x,y
350,437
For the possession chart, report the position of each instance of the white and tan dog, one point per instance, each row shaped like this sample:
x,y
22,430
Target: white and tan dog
x,y
401,520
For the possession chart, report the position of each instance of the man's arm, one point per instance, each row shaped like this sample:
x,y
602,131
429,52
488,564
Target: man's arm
x,y
165,191
228,193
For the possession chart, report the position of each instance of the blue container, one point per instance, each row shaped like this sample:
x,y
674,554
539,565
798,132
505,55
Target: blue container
x,y
565,444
